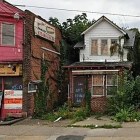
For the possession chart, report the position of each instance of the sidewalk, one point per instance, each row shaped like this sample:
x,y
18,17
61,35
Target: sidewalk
x,y
35,129
100,121
10,122
92,120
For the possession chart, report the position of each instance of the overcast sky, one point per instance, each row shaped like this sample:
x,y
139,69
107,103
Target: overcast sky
x,y
123,7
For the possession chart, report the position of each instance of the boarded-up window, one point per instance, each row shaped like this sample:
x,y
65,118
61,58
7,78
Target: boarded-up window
x,y
104,48
94,47
8,34
104,84
98,85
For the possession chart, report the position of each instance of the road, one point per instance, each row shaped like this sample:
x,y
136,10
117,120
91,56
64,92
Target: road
x,y
44,132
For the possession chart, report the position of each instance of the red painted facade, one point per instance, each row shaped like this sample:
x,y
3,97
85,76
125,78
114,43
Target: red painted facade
x,y
11,53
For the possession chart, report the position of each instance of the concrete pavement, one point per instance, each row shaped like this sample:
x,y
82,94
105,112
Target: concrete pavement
x,y
36,130
43,132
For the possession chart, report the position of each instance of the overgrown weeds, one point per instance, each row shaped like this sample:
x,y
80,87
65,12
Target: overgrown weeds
x,y
96,126
77,115
124,103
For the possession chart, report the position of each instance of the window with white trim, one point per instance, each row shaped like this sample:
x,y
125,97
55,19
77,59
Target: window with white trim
x,y
8,34
98,85
104,47
111,84
114,43
104,84
94,47
101,46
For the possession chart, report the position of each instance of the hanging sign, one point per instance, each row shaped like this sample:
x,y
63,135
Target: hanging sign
x,y
44,30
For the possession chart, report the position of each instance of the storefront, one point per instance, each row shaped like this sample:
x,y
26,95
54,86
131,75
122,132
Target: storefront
x,y
10,89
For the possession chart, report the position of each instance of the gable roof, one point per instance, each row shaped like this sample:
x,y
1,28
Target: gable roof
x,y
7,9
100,20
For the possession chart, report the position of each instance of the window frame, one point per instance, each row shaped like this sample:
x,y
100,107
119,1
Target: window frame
x,y
116,85
94,39
104,39
117,41
14,31
99,46
103,78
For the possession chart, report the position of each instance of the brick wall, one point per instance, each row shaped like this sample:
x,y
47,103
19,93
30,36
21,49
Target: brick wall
x,y
32,60
98,104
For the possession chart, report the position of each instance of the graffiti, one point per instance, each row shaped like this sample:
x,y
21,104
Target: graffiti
x,y
17,87
80,84
79,90
79,95
78,100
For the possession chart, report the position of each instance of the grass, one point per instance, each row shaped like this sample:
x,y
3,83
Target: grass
x,y
95,126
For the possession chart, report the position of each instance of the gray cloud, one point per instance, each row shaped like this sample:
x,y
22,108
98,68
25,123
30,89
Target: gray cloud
x,y
124,7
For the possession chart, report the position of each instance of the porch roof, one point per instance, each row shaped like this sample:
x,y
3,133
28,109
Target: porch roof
x,y
99,65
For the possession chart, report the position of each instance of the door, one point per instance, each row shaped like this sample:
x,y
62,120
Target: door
x,y
78,89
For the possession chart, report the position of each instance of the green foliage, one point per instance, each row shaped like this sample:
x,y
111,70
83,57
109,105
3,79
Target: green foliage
x,y
124,114
95,126
71,31
87,97
134,54
127,115
117,48
40,98
73,28
65,113
79,115
55,22
61,79
126,100
122,98
61,112
136,95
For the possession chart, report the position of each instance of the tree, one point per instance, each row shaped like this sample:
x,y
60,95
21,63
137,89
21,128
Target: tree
x,y
72,28
71,33
134,54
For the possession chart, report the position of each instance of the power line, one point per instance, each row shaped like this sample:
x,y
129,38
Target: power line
x,y
70,10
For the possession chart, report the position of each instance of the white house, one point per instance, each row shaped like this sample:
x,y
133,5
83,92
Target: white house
x,y
97,63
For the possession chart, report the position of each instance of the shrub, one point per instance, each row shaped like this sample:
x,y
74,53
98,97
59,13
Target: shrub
x,y
125,96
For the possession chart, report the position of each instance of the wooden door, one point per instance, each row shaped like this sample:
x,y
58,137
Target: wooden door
x,y
78,89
